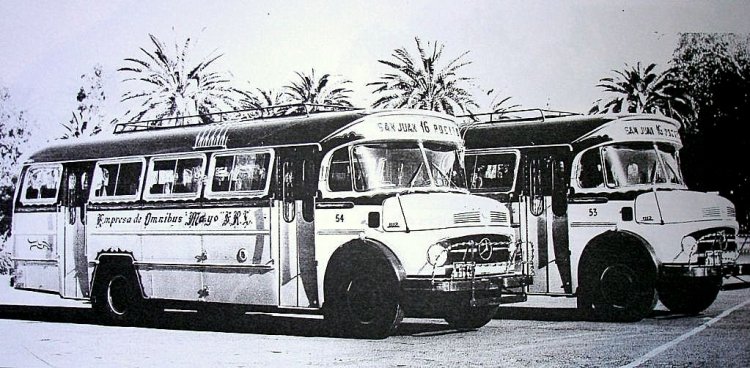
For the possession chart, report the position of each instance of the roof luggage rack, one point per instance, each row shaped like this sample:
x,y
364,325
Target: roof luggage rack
x,y
274,111
515,115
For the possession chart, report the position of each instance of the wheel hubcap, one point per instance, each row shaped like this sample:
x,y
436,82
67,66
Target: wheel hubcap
x,y
363,296
617,285
118,295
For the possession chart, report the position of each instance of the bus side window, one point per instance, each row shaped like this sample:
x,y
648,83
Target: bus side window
x,y
243,172
41,184
178,176
494,172
117,179
340,171
590,170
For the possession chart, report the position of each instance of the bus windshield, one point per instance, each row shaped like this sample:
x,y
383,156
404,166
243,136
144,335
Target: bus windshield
x,y
634,164
405,165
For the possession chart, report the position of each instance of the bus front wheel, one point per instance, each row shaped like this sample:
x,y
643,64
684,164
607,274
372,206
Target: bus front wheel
x,y
362,300
617,288
689,295
116,296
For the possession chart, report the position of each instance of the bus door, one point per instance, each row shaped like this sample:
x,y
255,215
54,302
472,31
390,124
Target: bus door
x,y
293,207
545,221
72,216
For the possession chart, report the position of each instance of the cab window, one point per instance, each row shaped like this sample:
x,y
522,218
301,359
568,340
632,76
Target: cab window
x,y
340,171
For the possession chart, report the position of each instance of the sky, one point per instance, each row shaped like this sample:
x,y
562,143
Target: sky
x,y
547,54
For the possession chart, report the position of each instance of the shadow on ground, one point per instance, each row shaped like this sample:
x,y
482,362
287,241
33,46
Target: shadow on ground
x,y
266,324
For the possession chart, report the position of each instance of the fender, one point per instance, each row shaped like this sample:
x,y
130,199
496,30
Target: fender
x,y
368,248
611,237
116,257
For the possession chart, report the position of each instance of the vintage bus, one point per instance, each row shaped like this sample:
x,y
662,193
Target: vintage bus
x,y
601,203
360,215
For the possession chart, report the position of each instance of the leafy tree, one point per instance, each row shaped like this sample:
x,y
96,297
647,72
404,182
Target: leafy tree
x,y
326,90
172,86
715,70
13,138
88,118
640,90
420,82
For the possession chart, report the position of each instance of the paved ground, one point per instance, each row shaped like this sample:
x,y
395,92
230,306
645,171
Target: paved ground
x,y
542,332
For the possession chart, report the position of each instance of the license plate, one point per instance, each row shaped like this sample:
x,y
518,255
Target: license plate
x,y
463,270
713,257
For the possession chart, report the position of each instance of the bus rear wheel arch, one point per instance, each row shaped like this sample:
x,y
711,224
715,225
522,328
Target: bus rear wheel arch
x,y
362,292
116,295
617,279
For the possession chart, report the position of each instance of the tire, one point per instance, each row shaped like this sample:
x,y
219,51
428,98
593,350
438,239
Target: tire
x,y
689,295
466,317
117,298
617,287
362,300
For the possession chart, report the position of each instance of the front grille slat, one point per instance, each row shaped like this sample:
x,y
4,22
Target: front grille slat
x,y
475,249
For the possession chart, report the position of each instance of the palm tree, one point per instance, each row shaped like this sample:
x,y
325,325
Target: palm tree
x,y
171,87
644,91
261,100
78,127
325,90
421,83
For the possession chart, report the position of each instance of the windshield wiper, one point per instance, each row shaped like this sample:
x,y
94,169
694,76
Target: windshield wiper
x,y
451,183
413,178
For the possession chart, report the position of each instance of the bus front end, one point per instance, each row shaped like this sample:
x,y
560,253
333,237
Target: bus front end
x,y
399,232
459,253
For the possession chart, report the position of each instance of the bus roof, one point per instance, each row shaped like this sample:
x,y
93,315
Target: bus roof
x,y
296,130
316,128
584,130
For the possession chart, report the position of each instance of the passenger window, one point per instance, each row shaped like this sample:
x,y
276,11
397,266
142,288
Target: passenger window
x,y
492,172
240,173
41,184
119,180
340,171
174,177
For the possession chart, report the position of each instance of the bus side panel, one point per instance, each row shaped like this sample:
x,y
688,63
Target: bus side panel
x,y
36,251
168,266
241,269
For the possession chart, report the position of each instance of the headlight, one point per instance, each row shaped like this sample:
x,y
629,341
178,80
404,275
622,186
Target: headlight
x,y
437,255
688,243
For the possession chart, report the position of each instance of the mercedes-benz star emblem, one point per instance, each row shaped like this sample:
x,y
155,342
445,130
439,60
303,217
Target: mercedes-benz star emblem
x,y
485,249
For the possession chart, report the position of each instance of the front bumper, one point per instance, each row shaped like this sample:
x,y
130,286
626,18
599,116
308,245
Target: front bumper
x,y
427,296
683,270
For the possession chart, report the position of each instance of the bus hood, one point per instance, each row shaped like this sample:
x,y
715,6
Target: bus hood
x,y
430,211
681,206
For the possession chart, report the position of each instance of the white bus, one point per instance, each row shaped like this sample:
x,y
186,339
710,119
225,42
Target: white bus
x,y
602,201
360,215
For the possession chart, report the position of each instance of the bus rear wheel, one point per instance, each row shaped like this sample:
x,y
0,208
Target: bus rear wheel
x,y
689,295
363,301
617,288
468,317
116,296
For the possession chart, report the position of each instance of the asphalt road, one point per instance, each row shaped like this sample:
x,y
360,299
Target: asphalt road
x,y
542,332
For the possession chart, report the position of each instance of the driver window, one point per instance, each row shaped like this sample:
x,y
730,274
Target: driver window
x,y
340,171
590,170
